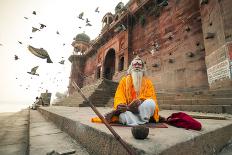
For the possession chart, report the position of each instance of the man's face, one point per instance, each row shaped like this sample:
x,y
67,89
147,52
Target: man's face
x,y
137,65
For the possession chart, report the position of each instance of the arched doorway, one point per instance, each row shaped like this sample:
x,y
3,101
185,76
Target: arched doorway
x,y
109,64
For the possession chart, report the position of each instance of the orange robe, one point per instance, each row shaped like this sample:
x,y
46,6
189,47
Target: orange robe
x,y
125,93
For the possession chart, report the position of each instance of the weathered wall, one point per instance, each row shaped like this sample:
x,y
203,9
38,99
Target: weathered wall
x,y
217,20
188,47
119,44
170,66
76,72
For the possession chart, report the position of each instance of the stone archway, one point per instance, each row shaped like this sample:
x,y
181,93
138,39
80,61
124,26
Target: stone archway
x,y
109,65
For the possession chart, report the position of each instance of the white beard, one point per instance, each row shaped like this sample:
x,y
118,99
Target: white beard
x,y
137,77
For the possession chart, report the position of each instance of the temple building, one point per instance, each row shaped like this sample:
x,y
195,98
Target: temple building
x,y
186,44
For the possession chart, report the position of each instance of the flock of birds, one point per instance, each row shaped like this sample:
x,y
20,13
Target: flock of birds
x,y
42,53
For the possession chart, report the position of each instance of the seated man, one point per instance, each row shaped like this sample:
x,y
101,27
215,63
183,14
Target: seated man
x,y
135,99
36,103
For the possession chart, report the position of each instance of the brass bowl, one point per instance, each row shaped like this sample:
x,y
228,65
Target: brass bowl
x,y
140,131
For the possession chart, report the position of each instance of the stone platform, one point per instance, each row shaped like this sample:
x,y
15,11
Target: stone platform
x,y
46,138
97,139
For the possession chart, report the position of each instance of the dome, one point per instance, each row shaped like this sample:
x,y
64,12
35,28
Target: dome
x,y
82,37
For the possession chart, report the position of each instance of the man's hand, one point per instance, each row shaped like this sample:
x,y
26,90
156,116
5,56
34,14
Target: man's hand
x,y
133,106
109,115
122,108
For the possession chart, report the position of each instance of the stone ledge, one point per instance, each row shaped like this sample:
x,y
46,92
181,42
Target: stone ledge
x,y
99,141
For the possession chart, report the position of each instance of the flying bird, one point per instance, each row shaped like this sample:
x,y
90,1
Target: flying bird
x,y
96,10
57,32
63,44
20,42
88,24
62,62
87,20
31,37
42,26
79,27
26,17
33,71
34,29
40,52
1,44
34,12
81,15
16,57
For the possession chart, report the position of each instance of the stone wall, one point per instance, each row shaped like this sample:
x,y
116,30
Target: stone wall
x,y
178,62
186,45
217,29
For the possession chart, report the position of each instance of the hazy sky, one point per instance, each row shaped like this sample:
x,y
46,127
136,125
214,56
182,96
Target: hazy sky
x,y
58,15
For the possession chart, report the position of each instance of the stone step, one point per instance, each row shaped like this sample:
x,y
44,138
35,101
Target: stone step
x,y
216,101
99,93
198,94
45,137
198,108
98,140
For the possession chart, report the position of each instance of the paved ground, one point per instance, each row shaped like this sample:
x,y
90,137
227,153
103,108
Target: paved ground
x,y
45,137
14,133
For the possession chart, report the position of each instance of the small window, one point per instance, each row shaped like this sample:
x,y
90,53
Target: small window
x,y
121,64
99,72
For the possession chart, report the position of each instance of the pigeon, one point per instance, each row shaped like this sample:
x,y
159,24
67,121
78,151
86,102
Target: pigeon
x,y
16,57
40,52
96,10
63,44
20,42
81,16
34,13
87,20
120,28
42,26
34,29
31,37
164,3
26,17
88,24
33,71
57,32
79,27
123,27
61,62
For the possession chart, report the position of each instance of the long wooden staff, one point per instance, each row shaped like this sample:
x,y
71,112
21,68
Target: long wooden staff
x,y
117,137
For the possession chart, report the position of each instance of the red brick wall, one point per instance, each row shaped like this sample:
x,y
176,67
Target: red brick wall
x,y
183,56
185,73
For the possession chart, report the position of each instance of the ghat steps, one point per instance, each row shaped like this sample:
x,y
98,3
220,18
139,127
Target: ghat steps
x,y
102,92
97,140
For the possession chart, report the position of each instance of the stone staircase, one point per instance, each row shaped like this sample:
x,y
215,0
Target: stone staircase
x,y
100,94
213,101
97,140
